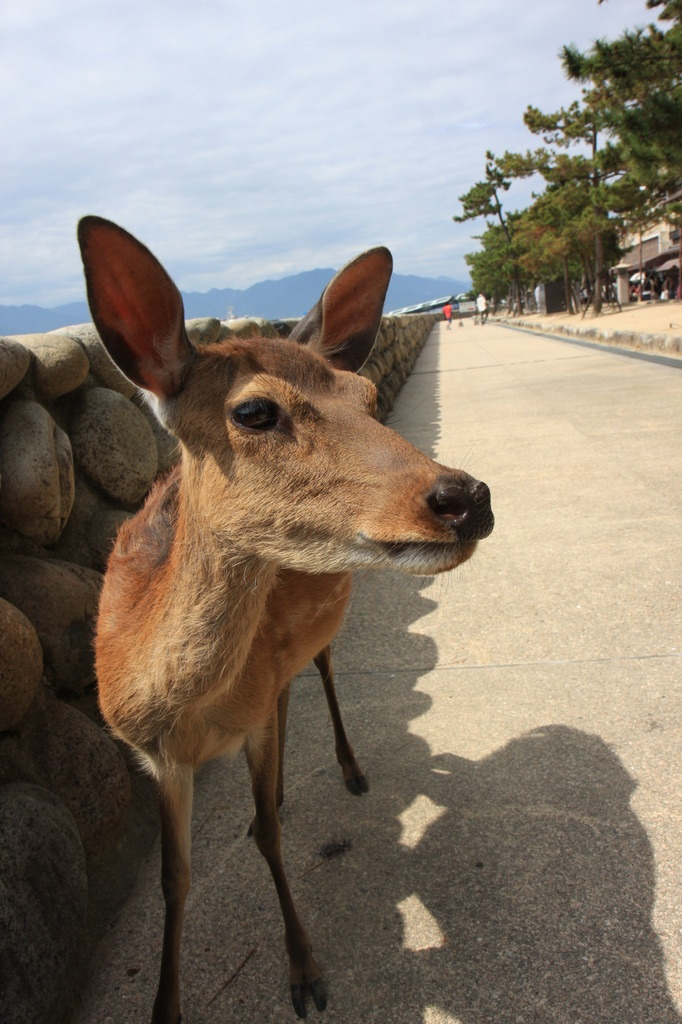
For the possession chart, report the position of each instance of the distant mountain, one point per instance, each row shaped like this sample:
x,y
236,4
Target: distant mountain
x,y
284,299
37,320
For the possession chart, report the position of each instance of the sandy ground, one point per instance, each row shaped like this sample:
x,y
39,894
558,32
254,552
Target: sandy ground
x,y
646,317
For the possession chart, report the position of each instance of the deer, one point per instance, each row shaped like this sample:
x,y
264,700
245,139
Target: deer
x,y
236,572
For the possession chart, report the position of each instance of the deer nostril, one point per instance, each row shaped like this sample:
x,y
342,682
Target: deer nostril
x,y
464,506
449,501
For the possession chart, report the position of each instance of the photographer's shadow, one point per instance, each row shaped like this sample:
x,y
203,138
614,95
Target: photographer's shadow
x,y
535,887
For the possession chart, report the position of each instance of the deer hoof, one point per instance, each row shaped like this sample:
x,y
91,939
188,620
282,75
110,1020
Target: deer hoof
x,y
318,990
357,785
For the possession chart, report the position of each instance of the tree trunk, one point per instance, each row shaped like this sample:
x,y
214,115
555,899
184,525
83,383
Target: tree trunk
x,y
518,307
598,238
598,271
567,290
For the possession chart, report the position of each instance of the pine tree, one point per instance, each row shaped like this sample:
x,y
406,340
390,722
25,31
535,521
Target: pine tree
x,y
611,160
591,170
496,264
483,200
636,80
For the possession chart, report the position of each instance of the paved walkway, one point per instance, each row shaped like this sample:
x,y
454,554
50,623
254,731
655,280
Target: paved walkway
x,y
518,856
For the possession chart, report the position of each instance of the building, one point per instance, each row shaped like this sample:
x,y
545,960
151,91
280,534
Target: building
x,y
655,247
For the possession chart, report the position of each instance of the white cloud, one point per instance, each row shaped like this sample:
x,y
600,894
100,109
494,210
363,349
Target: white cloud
x,y
247,141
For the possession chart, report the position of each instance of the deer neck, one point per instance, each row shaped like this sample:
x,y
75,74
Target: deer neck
x,y
220,593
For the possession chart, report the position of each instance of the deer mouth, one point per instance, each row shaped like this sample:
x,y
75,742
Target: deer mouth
x,y
421,558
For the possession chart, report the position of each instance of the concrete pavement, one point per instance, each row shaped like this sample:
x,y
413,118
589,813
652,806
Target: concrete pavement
x,y
517,858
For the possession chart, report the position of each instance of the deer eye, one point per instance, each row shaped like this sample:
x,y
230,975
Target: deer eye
x,y
256,414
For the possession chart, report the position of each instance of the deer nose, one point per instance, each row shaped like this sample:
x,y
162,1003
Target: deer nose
x,y
464,504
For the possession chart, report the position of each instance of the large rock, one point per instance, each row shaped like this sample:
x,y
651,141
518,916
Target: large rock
x,y
167,445
43,904
74,544
251,327
14,362
59,363
82,765
36,468
204,330
61,601
114,445
102,366
21,665
90,533
101,534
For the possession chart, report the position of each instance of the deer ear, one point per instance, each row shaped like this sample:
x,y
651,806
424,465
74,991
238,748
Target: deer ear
x,y
135,307
343,325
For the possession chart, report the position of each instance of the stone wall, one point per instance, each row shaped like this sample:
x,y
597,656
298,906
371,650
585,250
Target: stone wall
x,y
79,450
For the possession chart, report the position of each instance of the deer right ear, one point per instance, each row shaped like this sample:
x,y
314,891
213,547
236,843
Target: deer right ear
x,y
343,325
135,307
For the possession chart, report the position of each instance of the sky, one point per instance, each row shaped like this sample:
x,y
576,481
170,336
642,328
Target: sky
x,y
243,141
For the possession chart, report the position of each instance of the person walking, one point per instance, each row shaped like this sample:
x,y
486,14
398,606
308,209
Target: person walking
x,y
482,307
447,313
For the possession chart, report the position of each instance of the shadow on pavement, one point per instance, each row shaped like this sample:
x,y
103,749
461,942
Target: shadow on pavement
x,y
515,888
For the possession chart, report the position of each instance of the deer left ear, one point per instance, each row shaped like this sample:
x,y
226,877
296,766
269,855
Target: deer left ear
x,y
344,324
136,308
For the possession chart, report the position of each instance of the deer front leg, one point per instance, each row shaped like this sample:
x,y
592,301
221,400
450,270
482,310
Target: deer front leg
x,y
282,709
263,760
175,804
353,774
